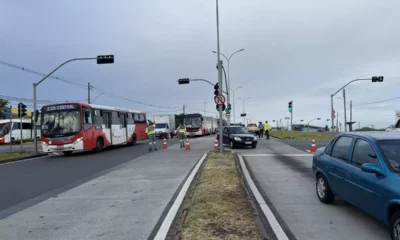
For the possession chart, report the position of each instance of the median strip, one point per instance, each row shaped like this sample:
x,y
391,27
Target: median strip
x,y
216,205
16,156
302,135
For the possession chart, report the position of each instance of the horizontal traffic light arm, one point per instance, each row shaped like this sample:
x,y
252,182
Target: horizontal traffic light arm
x,y
203,80
355,80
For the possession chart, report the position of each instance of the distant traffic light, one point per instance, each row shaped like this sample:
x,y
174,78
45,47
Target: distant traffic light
x,y
105,59
21,110
290,106
377,79
184,81
36,115
216,89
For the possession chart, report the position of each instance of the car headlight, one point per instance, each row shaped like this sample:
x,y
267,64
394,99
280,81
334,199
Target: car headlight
x,y
78,140
255,138
237,139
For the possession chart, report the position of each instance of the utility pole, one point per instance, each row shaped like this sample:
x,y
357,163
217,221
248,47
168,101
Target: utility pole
x,y
205,108
337,122
88,91
291,122
183,110
10,129
345,115
221,146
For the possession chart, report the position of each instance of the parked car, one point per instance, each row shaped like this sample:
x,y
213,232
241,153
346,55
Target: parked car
x,y
362,168
238,136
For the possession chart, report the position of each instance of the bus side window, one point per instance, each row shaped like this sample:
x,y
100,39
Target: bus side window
x,y
88,118
16,125
142,118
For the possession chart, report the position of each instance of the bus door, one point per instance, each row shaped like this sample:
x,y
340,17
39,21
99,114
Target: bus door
x,y
107,126
123,120
116,128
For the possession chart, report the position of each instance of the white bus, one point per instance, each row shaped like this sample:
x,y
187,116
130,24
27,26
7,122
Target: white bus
x,y
15,134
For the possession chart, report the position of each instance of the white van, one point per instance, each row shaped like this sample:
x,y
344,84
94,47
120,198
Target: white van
x,y
15,134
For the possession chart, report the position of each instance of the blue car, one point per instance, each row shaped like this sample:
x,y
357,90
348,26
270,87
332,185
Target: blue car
x,y
363,169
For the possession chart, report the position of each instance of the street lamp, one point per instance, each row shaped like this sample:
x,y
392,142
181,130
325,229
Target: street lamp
x,y
101,59
244,117
311,121
234,109
228,60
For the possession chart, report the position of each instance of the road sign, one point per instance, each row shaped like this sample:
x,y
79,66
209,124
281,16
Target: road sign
x,y
228,116
7,110
219,99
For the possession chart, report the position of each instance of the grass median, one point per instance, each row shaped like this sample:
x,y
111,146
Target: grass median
x,y
217,207
12,156
302,135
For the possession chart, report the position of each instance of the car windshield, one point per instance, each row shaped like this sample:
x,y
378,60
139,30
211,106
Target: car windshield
x,y
161,125
391,152
4,128
61,123
238,130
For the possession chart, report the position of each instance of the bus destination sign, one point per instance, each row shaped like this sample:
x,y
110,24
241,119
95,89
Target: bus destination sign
x,y
61,107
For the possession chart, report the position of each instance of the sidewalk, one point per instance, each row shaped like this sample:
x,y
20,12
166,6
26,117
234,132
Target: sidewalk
x,y
126,203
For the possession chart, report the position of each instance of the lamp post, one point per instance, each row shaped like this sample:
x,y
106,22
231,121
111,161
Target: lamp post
x,y
228,85
234,109
101,59
311,121
244,117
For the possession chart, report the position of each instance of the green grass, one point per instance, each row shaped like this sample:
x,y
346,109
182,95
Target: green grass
x,y
11,156
302,135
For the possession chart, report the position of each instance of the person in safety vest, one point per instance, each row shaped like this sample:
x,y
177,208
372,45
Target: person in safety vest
x,y
267,127
151,133
182,134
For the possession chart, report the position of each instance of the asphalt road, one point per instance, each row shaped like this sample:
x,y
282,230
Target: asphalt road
x,y
305,145
283,176
24,180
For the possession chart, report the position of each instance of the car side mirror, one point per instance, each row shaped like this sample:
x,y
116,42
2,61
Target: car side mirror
x,y
372,168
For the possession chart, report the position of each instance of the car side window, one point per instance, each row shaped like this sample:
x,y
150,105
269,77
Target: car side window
x,y
341,148
226,131
328,148
363,153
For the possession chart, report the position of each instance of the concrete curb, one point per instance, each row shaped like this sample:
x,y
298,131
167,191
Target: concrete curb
x,y
265,211
23,158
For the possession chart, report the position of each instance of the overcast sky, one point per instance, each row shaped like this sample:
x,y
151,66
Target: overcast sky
x,y
294,50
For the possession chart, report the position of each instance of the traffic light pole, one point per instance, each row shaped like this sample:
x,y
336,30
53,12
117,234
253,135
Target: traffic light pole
x,y
291,122
20,127
221,145
359,79
34,96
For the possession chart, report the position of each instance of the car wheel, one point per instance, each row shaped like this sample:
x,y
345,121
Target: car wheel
x,y
232,145
324,193
394,226
254,145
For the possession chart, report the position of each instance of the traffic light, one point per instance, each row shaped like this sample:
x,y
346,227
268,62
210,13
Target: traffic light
x,y
37,115
229,108
216,89
377,79
184,81
290,106
21,110
223,107
105,59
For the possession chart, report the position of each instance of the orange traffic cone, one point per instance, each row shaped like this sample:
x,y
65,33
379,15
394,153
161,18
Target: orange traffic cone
x,y
216,145
313,147
187,145
165,145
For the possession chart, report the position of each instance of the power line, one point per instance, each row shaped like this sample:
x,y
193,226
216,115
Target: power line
x,y
386,100
76,84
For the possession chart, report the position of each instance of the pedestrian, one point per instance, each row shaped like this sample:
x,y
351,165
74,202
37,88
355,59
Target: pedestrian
x,y
151,134
267,128
261,131
182,134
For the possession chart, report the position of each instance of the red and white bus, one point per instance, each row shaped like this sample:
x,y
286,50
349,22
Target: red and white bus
x,y
70,127
199,125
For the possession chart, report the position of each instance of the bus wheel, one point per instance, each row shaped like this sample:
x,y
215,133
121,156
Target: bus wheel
x,y
133,140
99,145
67,153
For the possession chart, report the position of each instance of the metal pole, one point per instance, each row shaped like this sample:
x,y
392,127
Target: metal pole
x,y
234,110
228,121
88,92
10,129
291,122
205,108
20,127
337,121
221,146
34,122
332,118
345,115
351,113
244,117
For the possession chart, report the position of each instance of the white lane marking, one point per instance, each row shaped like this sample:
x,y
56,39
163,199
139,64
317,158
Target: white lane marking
x,y
280,234
166,224
277,154
308,151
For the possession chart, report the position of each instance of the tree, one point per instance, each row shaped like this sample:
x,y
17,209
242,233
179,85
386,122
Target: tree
x,y
3,104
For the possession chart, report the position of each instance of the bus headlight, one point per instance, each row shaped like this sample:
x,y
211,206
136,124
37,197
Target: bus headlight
x,y
44,143
78,140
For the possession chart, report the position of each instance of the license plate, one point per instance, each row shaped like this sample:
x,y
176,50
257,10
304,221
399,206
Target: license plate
x,y
248,142
60,146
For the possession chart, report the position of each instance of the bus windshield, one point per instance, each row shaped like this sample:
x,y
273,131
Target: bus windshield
x,y
63,122
4,129
193,122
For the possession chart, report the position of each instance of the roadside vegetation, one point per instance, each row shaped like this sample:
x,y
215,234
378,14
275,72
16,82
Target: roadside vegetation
x,y
216,206
302,135
12,156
